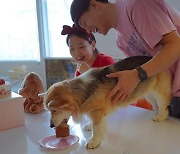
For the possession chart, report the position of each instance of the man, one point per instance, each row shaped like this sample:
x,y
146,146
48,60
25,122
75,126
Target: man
x,y
148,27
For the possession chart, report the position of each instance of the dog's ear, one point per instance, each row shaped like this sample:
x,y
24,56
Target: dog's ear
x,y
56,105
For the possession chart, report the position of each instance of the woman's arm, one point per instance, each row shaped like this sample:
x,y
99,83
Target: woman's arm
x,y
83,67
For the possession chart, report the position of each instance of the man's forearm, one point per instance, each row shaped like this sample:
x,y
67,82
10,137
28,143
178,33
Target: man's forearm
x,y
166,57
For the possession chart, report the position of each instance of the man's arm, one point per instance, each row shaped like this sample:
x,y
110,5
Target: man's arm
x,y
128,80
169,53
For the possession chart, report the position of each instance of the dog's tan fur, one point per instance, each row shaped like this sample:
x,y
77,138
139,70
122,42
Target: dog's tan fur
x,y
69,98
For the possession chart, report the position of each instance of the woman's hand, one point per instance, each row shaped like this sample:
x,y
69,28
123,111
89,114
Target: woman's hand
x,y
127,82
83,67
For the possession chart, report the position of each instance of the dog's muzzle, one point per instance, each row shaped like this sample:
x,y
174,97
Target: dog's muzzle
x,y
52,125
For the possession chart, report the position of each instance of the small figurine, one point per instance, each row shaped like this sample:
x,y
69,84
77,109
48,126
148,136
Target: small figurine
x,y
31,87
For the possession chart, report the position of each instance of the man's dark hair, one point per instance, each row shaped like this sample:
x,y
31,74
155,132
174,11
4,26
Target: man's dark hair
x,y
78,7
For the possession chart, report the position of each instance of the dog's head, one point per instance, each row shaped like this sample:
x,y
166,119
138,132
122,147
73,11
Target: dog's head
x,y
58,115
60,102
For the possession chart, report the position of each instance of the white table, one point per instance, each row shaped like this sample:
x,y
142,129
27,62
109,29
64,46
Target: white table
x,y
130,131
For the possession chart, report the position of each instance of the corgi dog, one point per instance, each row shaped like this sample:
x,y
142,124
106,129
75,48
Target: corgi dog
x,y
86,94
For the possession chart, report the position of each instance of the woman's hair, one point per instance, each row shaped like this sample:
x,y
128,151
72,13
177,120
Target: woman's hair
x,y
80,32
78,7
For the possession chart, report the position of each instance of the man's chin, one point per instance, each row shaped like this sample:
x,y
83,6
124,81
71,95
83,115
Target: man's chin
x,y
103,32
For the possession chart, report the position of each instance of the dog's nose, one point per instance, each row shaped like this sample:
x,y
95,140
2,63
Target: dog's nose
x,y
52,125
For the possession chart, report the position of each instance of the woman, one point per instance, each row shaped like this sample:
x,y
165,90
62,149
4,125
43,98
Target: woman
x,y
82,47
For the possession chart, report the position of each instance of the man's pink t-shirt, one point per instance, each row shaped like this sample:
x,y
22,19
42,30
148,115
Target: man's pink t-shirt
x,y
141,25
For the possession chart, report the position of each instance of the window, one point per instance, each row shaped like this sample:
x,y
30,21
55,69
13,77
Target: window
x,y
19,38
58,15
19,30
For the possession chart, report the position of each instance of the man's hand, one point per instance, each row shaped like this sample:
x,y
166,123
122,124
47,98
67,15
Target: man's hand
x,y
127,82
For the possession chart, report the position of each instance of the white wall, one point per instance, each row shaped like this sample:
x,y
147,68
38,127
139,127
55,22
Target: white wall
x,y
174,3
105,44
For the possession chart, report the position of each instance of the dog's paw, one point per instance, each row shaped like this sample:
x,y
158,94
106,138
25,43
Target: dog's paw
x,y
159,118
88,127
92,144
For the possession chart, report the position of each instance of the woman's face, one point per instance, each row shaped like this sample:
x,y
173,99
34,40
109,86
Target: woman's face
x,y
81,50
